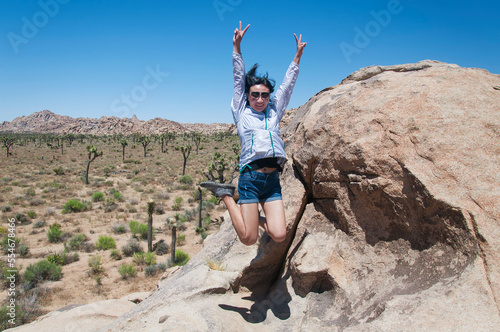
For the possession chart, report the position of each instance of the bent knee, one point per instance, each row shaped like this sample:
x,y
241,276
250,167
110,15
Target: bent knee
x,y
278,236
248,240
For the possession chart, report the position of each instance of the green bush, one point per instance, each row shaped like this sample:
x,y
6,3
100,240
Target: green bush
x,y
73,205
139,258
150,258
177,204
181,239
62,258
105,242
95,265
127,271
181,258
43,270
98,197
134,227
77,242
186,179
118,196
141,229
6,244
115,254
54,233
31,214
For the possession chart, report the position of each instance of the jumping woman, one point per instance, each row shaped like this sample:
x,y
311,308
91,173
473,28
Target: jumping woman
x,y
262,156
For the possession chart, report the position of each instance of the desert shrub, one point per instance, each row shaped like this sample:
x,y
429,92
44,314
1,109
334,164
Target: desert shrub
x,y
159,209
9,243
59,170
186,179
43,270
31,214
213,200
118,228
30,192
127,271
181,258
177,204
73,205
98,197
181,239
139,258
132,247
115,254
77,242
143,231
105,242
6,208
36,202
139,229
161,248
150,258
22,249
39,224
9,272
118,196
62,258
54,233
95,265
3,230
22,218
134,227
133,201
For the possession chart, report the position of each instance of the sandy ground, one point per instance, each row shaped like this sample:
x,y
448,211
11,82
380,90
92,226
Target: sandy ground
x,y
28,184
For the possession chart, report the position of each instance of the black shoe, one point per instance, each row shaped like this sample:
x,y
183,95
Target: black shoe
x,y
219,189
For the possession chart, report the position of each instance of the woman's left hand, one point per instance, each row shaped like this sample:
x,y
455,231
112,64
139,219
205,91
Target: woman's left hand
x,y
300,48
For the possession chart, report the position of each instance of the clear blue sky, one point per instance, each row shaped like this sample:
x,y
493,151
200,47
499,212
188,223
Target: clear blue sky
x,y
173,58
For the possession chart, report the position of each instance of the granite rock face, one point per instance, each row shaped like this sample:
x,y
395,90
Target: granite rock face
x,y
392,195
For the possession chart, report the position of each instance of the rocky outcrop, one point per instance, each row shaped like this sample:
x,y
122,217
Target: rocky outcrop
x,y
48,122
392,196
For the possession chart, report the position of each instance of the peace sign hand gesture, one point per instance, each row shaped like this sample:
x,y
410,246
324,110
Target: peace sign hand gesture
x,y
238,36
300,48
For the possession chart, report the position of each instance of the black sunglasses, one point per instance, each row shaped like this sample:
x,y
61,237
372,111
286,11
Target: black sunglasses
x,y
256,95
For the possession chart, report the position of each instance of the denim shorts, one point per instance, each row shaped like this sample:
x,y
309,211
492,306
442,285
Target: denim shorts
x,y
258,187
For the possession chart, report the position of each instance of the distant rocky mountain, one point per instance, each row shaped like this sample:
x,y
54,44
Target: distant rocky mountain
x,y
49,122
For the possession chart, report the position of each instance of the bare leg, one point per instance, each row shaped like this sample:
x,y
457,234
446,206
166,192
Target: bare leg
x,y
276,224
245,220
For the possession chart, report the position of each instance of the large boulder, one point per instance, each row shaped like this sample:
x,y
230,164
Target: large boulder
x,y
392,195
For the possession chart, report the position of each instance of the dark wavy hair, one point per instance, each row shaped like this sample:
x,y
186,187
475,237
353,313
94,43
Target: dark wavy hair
x,y
252,79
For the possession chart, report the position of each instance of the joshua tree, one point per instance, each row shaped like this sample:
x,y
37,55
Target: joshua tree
x,y
197,140
7,143
145,140
124,143
186,150
165,138
151,208
219,166
70,138
92,155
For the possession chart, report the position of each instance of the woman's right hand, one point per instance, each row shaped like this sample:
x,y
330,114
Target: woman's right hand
x,y
238,36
